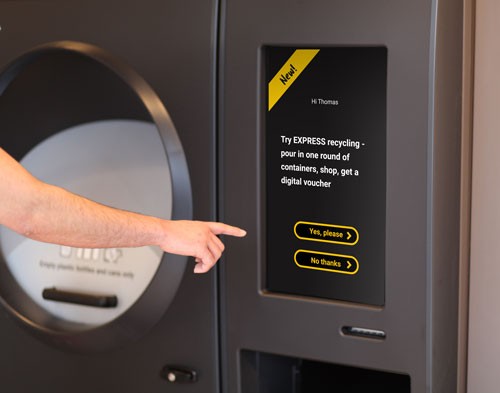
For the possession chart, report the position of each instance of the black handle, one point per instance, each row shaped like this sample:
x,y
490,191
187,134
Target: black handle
x,y
84,299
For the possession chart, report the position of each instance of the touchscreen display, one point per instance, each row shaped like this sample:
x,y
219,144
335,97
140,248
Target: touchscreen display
x,y
325,169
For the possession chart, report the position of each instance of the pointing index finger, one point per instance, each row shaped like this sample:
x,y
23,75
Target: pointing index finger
x,y
219,228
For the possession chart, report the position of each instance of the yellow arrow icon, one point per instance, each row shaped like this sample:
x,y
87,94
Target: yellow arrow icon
x,y
349,235
348,265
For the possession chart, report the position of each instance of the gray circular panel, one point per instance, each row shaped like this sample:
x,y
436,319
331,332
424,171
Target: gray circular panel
x,y
120,163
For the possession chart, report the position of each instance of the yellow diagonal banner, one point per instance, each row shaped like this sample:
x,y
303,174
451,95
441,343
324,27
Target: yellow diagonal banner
x,y
288,74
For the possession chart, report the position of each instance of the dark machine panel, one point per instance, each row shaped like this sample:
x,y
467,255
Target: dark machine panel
x,y
76,69
352,252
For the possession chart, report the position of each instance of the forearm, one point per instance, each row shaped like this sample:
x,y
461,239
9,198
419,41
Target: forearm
x,y
58,216
51,214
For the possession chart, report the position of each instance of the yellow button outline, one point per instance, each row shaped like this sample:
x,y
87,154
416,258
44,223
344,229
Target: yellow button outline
x,y
323,269
326,225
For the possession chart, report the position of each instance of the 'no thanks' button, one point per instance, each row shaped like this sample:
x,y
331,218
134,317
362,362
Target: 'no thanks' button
x,y
333,263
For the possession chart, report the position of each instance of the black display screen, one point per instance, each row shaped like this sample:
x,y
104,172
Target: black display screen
x,y
325,170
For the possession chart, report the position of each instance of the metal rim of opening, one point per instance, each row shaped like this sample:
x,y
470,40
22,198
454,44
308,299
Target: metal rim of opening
x,y
157,297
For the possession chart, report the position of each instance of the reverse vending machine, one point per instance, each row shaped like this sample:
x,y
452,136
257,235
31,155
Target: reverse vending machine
x,y
329,130
114,101
340,141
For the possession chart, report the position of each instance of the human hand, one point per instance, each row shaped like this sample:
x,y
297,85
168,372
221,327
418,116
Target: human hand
x,y
197,239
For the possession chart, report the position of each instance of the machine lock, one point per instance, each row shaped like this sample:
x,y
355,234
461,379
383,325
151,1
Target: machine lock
x,y
176,374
